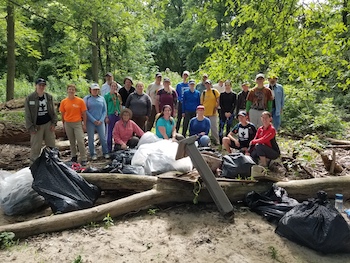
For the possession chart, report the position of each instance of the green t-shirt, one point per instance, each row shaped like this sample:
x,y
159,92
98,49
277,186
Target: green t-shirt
x,y
113,103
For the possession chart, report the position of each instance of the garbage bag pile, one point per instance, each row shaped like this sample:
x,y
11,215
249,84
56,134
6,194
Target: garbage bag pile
x,y
17,196
62,187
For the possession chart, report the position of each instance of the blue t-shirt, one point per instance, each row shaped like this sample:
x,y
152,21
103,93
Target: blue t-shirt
x,y
180,90
190,100
168,124
197,126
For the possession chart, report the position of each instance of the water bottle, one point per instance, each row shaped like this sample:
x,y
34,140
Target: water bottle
x,y
339,202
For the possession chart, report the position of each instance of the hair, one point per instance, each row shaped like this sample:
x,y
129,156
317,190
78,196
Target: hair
x,y
267,113
140,83
162,114
126,110
114,82
71,86
129,78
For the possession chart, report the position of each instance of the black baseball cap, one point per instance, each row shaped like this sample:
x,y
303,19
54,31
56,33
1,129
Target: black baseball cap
x,y
40,81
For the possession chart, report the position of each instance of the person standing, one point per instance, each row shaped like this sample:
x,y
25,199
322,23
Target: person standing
x,y
180,90
114,106
96,115
278,101
152,90
220,86
201,86
106,87
200,126
245,132
190,101
210,100
40,118
227,108
140,105
259,99
166,96
126,90
73,110
242,97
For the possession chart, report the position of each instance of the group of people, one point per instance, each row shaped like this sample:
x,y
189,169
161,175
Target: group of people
x,y
121,114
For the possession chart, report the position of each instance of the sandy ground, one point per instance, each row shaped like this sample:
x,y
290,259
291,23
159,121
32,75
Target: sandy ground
x,y
185,233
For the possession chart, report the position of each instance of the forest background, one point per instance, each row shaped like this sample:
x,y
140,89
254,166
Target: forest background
x,y
305,43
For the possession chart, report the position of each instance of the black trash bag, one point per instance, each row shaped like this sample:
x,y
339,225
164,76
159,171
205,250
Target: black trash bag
x,y
273,204
123,156
316,224
237,164
63,188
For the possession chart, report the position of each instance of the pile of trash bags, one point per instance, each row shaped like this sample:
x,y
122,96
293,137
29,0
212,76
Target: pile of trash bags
x,y
314,223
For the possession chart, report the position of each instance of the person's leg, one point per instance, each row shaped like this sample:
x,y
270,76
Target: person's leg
x,y
90,129
254,117
229,124
226,142
276,120
112,120
179,116
36,142
222,122
185,123
102,136
214,128
79,135
132,143
151,118
49,136
69,128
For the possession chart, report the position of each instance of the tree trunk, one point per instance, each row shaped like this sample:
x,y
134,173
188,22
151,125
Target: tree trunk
x,y
166,190
16,133
94,48
11,58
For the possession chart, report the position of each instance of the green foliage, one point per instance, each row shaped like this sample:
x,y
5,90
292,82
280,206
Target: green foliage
x,y
46,68
7,240
304,114
108,221
78,259
152,211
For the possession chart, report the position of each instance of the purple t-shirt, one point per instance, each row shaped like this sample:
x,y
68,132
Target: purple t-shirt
x,y
167,98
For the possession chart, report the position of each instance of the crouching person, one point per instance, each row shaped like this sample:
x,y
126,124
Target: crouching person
x,y
200,126
244,131
264,146
125,130
165,125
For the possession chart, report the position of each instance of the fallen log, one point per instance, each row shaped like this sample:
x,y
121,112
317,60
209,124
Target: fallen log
x,y
16,133
338,142
169,190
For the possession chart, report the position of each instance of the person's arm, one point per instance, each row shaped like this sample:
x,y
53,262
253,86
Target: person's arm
x,y
163,132
234,102
202,98
104,115
89,115
269,105
207,127
128,101
116,134
83,114
156,104
136,129
149,106
173,133
266,138
248,106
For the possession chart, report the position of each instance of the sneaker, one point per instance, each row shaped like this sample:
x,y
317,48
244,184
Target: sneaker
x,y
74,159
94,158
106,156
83,163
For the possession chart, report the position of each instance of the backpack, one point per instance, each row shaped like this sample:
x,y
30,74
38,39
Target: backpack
x,y
204,91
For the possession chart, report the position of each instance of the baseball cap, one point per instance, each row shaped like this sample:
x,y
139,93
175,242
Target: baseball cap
x,y
273,76
166,79
246,83
191,82
242,113
200,107
158,74
94,86
205,75
260,75
109,74
186,72
40,81
208,81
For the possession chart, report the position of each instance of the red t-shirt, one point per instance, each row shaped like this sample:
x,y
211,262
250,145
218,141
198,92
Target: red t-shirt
x,y
263,136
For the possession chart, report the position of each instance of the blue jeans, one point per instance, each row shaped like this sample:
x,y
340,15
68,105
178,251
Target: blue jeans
x,y
276,120
112,120
101,131
228,123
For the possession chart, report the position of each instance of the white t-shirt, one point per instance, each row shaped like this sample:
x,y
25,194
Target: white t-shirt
x,y
152,91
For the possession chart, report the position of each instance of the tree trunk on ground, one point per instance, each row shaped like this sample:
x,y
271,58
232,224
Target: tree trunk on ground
x,y
15,133
11,58
167,190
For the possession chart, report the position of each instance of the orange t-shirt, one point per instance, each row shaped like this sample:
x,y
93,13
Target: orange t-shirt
x,y
72,109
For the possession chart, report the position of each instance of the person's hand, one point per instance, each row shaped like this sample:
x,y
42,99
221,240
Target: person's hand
x,y
227,115
202,133
146,118
107,120
173,139
237,143
52,128
124,146
183,115
84,127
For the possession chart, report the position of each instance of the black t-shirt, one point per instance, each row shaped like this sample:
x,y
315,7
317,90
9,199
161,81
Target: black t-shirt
x,y
43,114
125,94
245,133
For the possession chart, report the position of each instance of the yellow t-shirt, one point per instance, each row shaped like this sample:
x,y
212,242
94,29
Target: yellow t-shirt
x,y
209,99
